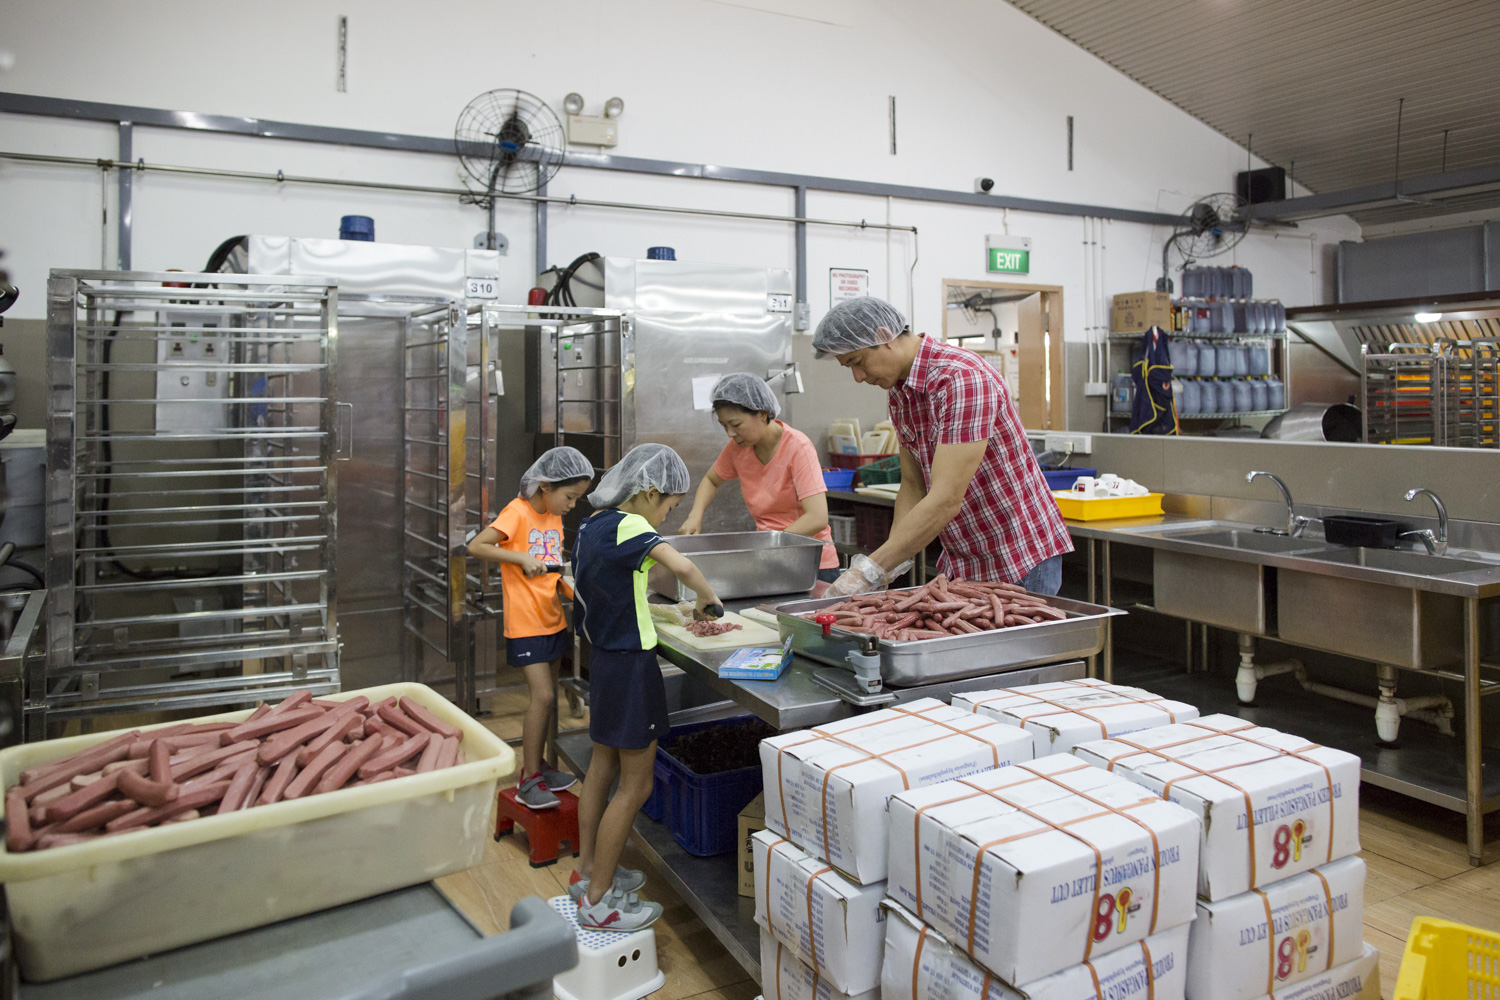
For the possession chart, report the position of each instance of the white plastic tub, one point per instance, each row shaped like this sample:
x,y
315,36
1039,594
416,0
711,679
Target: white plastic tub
x,y
89,905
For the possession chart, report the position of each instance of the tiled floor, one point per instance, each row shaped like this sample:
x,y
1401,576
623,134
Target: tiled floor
x,y
1418,865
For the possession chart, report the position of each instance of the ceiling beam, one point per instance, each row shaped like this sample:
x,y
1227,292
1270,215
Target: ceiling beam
x,y
1424,187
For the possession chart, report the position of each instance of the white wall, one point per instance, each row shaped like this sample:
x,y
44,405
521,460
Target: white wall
x,y
981,89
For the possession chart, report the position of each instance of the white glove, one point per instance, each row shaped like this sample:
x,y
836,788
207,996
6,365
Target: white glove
x,y
862,576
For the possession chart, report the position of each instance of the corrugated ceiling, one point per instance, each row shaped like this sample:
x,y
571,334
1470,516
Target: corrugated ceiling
x,y
1315,81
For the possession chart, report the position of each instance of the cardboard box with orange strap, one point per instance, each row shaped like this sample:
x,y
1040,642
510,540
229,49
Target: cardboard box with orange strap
x,y
826,787
827,921
1036,867
921,964
1273,805
1063,714
783,976
1250,945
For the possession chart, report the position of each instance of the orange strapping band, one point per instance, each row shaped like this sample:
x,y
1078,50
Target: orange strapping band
x,y
1150,975
1036,696
770,924
994,750
812,944
1328,902
1270,943
916,962
1217,775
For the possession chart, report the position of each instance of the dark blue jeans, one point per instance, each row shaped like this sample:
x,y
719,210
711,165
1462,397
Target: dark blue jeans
x,y
1045,577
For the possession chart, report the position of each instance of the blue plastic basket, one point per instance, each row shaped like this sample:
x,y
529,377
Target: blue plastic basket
x,y
1062,479
702,810
838,479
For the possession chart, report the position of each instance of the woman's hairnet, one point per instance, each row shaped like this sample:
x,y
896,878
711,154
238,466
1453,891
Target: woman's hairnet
x,y
855,324
557,465
748,392
644,466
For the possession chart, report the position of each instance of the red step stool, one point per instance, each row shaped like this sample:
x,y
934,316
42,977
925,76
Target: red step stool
x,y
546,829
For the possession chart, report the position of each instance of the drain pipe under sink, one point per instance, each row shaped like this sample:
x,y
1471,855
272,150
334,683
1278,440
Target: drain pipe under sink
x,y
1434,709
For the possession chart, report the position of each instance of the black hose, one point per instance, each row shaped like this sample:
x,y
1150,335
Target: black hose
x,y
220,256
562,292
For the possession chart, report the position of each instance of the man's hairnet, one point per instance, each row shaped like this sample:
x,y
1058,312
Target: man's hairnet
x,y
557,465
644,466
748,392
855,324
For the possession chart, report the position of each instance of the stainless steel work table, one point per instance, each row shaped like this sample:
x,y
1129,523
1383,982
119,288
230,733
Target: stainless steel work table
x,y
1472,587
710,886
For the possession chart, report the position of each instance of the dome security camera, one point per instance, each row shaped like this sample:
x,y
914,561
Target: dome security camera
x,y
984,185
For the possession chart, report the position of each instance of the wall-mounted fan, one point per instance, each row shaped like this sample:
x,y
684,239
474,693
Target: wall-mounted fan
x,y
1209,227
509,142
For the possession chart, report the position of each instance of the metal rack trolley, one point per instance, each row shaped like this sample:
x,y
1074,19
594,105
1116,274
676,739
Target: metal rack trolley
x,y
203,409
1444,393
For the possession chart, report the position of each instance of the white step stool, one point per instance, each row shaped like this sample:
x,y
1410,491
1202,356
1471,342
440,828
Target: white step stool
x,y
611,965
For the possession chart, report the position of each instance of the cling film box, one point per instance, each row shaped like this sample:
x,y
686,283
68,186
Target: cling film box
x,y
825,920
1039,866
1316,922
1062,714
826,788
1273,805
926,966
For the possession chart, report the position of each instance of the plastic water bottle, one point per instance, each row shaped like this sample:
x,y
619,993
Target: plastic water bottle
x,y
1260,395
1190,400
1224,358
1224,396
1206,364
1278,325
1249,283
1121,394
1276,394
1243,397
1260,360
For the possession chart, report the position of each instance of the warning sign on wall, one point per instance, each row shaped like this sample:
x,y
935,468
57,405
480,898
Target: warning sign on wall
x,y
846,283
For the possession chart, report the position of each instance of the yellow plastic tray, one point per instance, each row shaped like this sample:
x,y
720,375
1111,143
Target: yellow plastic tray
x,y
1444,959
1080,508
93,904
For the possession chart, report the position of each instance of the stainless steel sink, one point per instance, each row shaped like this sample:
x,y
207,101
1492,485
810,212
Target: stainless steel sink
x,y
1235,538
1398,561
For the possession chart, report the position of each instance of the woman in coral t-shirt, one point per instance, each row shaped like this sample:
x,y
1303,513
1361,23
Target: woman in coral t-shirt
x,y
777,467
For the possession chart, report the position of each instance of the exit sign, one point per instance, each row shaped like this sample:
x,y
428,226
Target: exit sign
x,y
1008,254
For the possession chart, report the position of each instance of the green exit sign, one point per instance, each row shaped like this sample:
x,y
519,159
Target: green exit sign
x,y
1004,261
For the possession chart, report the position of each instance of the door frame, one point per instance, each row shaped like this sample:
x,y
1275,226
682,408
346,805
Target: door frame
x,y
1042,353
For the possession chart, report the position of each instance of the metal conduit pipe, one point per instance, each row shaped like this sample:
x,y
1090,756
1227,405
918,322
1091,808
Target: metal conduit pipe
x,y
282,177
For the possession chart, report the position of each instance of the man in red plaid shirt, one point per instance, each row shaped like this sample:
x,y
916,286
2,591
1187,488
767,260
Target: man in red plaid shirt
x,y
968,474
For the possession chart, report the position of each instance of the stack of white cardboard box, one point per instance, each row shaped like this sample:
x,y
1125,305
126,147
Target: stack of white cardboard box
x,y
1281,902
1063,714
820,866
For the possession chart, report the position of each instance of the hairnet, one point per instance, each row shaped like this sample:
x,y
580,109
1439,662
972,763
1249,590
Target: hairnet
x,y
748,392
644,466
855,324
557,465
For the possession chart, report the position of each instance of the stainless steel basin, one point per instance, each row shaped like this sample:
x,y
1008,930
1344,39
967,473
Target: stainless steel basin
x,y
1398,561
741,564
1235,538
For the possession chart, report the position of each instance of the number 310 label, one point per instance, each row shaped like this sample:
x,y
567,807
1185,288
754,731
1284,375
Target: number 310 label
x,y
483,288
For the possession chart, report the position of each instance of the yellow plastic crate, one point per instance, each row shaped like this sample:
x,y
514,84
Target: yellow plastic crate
x,y
1444,959
1079,508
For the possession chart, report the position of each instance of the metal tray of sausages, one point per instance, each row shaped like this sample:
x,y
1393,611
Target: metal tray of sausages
x,y
922,661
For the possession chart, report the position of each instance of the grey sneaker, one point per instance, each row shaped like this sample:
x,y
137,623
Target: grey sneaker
x,y
617,911
534,795
556,781
626,880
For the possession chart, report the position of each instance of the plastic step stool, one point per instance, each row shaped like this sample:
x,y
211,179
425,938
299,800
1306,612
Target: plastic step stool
x,y
612,965
546,829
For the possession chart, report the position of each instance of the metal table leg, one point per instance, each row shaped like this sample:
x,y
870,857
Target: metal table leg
x,y
1473,765
1093,574
1109,623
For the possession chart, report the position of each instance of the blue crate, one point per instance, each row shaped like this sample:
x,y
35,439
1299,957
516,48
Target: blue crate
x,y
1062,479
838,479
702,810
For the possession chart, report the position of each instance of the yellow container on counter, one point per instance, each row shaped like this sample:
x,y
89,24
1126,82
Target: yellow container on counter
x,y
1076,507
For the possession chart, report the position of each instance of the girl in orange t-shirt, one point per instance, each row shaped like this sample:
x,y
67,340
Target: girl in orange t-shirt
x,y
527,541
777,467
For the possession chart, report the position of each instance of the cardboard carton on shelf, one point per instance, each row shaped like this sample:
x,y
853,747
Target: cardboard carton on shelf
x,y
826,788
1062,714
752,818
1137,312
1273,805
1039,866
827,921
922,964
1248,945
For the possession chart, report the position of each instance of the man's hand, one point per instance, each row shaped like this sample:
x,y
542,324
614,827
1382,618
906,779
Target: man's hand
x,y
862,576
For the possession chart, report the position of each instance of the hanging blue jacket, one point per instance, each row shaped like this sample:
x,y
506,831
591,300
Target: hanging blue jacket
x,y
1153,411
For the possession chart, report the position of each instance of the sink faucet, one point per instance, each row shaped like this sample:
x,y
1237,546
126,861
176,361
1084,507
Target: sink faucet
x,y
1436,542
1295,523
